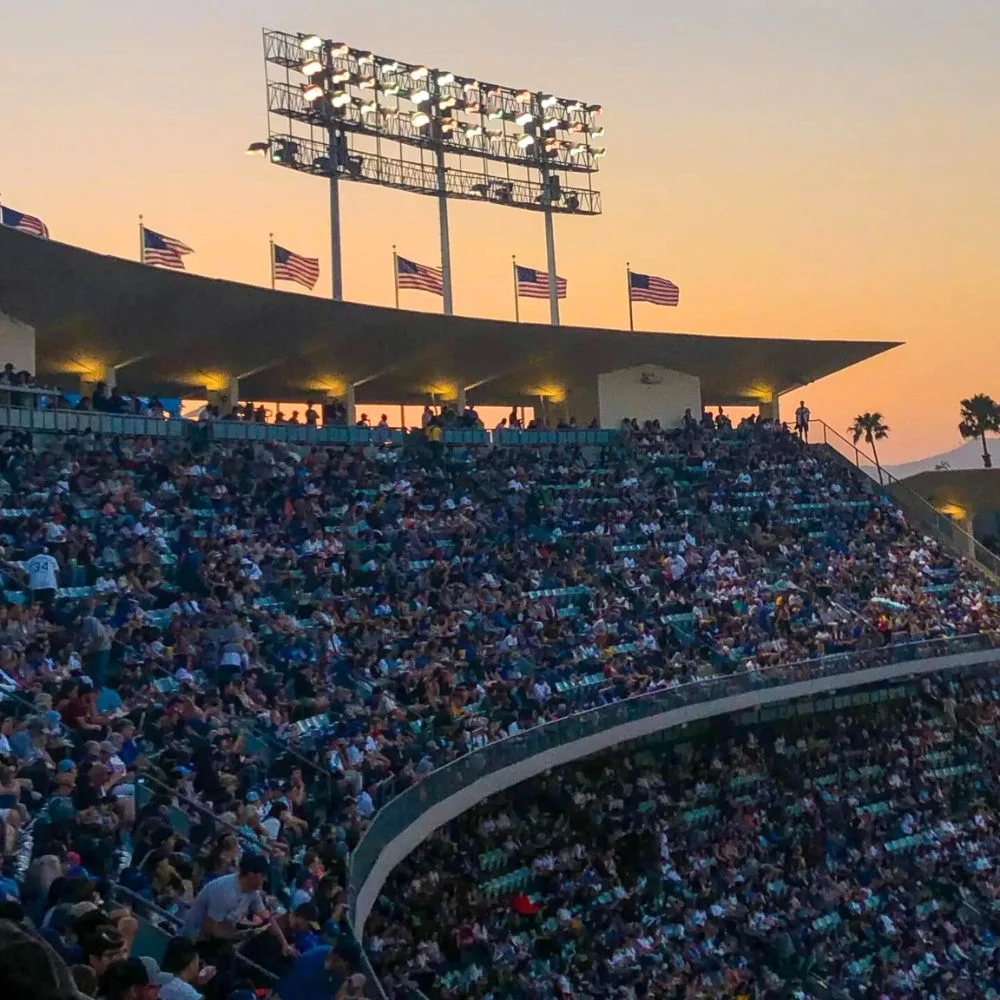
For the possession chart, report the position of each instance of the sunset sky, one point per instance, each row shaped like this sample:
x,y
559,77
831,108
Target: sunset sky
x,y
801,168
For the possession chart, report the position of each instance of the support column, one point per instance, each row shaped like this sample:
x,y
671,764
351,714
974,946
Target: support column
x,y
226,397
769,410
352,417
583,403
969,527
460,401
96,374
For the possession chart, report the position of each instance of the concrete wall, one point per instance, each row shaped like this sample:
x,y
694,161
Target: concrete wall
x,y
647,392
490,784
17,344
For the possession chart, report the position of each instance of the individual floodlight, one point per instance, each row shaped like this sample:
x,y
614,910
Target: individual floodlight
x,y
525,141
470,86
524,117
312,92
420,119
341,76
599,152
445,78
523,97
447,102
419,73
340,50
366,58
311,43
311,67
548,101
369,108
340,99
473,130
550,123
497,114
258,148
419,96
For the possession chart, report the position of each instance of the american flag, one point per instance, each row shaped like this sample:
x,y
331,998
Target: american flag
x,y
647,288
23,223
532,284
163,251
289,266
418,276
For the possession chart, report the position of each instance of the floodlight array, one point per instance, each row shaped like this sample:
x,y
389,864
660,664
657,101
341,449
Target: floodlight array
x,y
322,87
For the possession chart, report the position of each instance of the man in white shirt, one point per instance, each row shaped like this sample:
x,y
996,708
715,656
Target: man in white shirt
x,y
802,421
42,570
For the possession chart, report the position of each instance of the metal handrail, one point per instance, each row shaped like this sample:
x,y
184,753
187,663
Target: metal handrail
x,y
988,560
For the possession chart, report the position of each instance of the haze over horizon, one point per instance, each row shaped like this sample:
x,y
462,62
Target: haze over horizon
x,y
800,168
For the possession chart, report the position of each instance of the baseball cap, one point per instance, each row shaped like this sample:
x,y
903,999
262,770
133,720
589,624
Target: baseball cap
x,y
122,976
309,913
254,864
66,765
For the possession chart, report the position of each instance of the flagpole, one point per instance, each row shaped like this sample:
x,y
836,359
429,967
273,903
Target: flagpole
x,y
628,285
142,242
517,303
395,272
270,237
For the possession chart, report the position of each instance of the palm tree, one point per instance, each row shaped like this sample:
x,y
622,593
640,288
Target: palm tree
x,y
980,415
872,428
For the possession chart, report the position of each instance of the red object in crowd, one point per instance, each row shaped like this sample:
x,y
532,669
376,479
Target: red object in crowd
x,y
524,906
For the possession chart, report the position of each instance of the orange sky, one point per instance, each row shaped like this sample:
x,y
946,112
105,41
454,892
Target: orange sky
x,y
801,168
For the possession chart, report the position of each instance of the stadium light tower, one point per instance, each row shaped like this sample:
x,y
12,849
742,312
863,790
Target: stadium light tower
x,y
347,114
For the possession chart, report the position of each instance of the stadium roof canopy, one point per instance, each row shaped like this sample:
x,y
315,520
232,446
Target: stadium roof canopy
x,y
174,334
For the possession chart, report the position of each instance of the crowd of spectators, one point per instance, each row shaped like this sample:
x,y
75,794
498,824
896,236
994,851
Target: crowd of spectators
x,y
220,656
847,854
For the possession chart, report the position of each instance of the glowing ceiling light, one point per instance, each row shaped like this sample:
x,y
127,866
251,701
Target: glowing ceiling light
x,y
525,141
420,119
311,67
311,43
524,117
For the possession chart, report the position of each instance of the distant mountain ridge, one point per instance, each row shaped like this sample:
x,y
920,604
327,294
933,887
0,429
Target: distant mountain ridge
x,y
965,456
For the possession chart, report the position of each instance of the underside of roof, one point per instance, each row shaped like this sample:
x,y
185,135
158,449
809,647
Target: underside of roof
x,y
175,334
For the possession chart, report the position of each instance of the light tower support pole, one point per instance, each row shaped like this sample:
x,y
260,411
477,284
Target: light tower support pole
x,y
550,253
445,239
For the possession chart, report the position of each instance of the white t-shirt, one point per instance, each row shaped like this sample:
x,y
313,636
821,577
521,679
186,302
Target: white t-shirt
x,y
42,571
224,902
